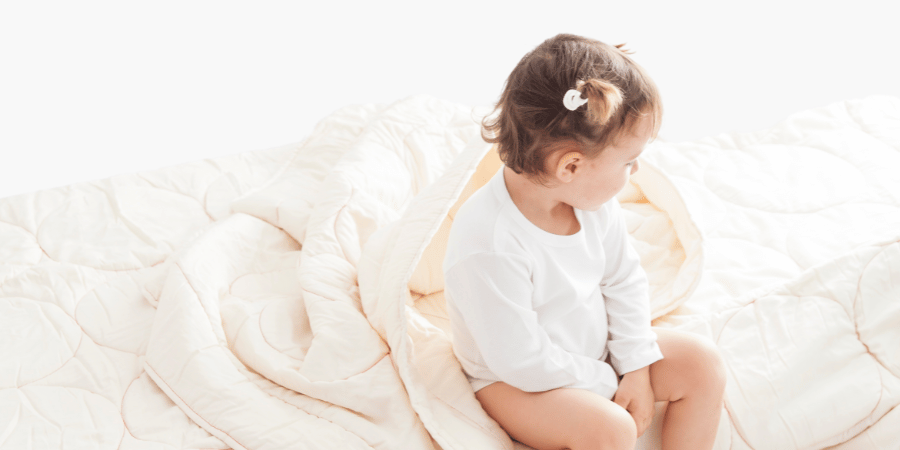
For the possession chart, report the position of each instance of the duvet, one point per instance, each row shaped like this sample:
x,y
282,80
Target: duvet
x,y
293,297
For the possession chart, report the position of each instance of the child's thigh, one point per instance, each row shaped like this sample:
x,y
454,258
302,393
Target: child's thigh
x,y
556,419
690,363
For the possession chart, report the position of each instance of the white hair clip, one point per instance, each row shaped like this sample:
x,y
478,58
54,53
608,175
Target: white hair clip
x,y
573,99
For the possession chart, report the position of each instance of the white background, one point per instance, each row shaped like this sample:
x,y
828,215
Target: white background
x,y
90,89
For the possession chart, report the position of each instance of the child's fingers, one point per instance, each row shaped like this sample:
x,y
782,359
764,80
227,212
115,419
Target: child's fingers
x,y
642,418
641,421
642,424
622,401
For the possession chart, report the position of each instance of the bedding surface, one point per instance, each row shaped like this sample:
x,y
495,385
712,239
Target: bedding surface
x,y
293,297
800,227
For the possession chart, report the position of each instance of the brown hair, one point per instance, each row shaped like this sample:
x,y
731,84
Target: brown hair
x,y
530,116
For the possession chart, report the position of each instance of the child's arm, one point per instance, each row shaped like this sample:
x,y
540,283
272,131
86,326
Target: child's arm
x,y
493,294
636,395
632,344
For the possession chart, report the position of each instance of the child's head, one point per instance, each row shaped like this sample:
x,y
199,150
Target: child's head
x,y
532,120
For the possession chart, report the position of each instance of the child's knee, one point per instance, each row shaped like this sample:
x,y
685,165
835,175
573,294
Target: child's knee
x,y
709,362
624,432
609,429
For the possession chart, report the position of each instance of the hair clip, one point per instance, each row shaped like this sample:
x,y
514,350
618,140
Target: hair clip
x,y
573,99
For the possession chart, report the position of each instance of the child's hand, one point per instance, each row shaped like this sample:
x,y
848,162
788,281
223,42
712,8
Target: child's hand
x,y
636,396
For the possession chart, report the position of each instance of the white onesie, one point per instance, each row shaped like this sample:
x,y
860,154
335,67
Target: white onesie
x,y
541,311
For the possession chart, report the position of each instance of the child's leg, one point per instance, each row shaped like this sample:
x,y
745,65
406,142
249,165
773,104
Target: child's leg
x,y
561,418
691,377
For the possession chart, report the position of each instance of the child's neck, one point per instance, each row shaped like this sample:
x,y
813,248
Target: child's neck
x,y
539,205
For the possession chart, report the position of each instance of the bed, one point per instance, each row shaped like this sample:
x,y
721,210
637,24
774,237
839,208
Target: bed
x,y
293,297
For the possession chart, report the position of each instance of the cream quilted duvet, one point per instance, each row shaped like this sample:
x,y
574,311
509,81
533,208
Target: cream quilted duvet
x,y
293,298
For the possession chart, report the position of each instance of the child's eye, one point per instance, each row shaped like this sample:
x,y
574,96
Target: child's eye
x,y
629,164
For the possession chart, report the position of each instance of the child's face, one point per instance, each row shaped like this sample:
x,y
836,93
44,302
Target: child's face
x,y
595,181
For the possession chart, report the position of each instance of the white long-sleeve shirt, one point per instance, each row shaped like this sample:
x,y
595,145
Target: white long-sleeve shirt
x,y
541,311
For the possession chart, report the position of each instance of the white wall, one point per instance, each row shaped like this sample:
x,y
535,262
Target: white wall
x,y
91,89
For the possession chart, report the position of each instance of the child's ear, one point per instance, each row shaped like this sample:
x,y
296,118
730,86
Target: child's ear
x,y
568,165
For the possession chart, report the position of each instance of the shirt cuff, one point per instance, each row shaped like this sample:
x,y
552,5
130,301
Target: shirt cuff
x,y
649,354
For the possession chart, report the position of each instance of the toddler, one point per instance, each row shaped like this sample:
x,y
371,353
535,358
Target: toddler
x,y
547,299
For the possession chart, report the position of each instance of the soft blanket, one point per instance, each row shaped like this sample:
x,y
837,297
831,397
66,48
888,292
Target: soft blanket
x,y
292,297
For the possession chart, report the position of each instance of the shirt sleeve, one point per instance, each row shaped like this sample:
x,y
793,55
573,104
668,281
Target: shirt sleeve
x,y
632,344
493,294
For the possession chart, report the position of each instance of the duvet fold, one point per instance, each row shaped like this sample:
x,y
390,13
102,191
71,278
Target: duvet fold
x,y
293,297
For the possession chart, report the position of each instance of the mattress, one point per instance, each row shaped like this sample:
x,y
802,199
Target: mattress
x,y
293,297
